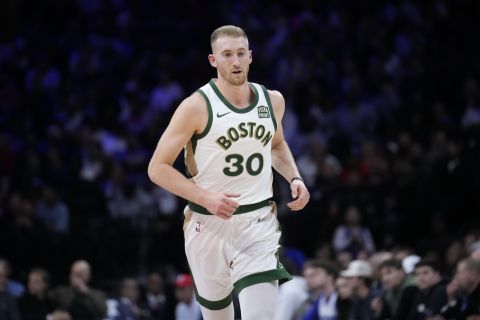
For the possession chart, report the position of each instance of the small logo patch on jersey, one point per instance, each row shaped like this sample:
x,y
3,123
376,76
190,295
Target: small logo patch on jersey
x,y
223,114
261,219
263,112
197,226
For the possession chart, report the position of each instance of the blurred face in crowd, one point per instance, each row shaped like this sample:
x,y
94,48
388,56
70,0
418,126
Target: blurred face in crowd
x,y
37,285
467,279
392,277
344,288
130,289
352,216
354,283
80,272
316,278
155,283
232,57
184,293
426,277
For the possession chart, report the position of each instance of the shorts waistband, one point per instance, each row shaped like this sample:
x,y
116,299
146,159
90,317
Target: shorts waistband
x,y
242,209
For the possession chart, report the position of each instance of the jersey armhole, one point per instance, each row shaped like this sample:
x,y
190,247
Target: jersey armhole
x,y
202,134
270,107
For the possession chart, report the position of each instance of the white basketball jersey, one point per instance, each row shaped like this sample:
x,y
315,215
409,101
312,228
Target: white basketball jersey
x,y
233,153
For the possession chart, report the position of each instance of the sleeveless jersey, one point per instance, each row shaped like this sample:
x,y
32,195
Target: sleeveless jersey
x,y
233,153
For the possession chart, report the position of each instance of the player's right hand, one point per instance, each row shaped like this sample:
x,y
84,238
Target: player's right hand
x,y
222,204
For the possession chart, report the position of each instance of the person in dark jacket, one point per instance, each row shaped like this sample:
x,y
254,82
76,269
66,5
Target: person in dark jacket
x,y
400,291
79,299
35,304
464,292
432,294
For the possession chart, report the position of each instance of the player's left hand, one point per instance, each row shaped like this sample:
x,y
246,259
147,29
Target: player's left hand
x,y
300,195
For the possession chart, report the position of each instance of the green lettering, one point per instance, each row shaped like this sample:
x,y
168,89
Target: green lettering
x,y
267,138
259,132
251,125
224,142
232,134
243,131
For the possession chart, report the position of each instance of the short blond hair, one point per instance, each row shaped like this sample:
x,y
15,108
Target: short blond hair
x,y
228,30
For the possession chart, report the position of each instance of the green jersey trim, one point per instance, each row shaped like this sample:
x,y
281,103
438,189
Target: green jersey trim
x,y
231,106
270,107
242,209
202,134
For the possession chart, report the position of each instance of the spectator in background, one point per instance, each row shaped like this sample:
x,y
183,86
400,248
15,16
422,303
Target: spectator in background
x,y
15,288
463,291
8,305
400,291
127,307
376,261
155,298
314,275
345,291
359,275
54,212
432,294
352,236
35,304
81,301
187,307
329,304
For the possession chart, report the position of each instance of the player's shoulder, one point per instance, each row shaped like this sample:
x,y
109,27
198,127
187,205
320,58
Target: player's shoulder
x,y
194,104
277,99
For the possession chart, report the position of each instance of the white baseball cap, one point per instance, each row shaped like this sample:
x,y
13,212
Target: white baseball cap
x,y
358,268
409,262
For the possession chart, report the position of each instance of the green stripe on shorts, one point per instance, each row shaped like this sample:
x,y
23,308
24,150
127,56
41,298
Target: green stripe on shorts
x,y
214,305
265,276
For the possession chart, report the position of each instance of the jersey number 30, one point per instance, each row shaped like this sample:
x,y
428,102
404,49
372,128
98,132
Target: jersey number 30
x,y
236,164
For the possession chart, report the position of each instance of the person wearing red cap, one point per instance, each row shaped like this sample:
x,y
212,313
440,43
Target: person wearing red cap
x,y
187,307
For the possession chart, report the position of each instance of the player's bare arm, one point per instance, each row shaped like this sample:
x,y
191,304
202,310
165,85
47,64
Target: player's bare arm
x,y
190,117
282,158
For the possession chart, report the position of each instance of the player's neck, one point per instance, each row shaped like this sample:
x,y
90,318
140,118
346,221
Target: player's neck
x,y
240,96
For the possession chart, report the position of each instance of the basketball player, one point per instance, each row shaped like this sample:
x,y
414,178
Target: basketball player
x,y
232,134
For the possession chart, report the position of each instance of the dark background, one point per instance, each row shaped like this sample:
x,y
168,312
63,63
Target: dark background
x,y
383,113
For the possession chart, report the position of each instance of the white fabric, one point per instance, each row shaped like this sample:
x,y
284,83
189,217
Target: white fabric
x,y
253,135
258,302
291,295
221,252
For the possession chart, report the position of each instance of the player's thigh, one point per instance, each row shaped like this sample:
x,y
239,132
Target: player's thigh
x,y
206,248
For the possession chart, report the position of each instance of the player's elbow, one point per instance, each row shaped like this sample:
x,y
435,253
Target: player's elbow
x,y
153,172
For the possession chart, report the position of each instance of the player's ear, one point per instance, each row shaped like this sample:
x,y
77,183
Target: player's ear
x,y
251,55
211,59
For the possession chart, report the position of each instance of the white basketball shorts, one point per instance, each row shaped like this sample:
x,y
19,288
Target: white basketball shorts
x,y
224,255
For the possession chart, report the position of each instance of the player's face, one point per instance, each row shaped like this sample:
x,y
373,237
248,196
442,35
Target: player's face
x,y
232,57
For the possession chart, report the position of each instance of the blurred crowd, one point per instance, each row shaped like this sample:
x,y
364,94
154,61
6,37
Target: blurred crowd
x,y
383,117
389,284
